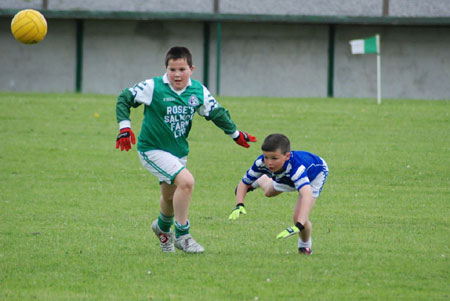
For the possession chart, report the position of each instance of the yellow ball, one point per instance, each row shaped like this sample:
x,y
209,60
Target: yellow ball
x,y
29,26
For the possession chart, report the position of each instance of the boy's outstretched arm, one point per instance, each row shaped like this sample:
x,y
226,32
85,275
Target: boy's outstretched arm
x,y
241,191
222,119
212,110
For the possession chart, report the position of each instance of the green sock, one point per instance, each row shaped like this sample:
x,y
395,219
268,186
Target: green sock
x,y
181,229
165,222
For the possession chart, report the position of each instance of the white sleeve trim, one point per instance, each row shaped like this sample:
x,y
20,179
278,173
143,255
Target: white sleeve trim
x,y
143,91
234,135
209,103
124,124
301,182
298,173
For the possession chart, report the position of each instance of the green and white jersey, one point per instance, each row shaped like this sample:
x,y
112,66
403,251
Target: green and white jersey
x,y
168,113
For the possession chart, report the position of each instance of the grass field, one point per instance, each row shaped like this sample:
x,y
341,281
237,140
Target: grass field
x,y
75,213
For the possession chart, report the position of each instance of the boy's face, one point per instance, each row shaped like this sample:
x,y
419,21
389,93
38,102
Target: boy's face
x,y
179,72
275,160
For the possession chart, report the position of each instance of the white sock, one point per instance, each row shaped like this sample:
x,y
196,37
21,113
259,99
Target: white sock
x,y
302,244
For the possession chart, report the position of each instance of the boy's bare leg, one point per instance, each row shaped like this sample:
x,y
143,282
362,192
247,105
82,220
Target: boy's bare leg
x,y
175,200
182,195
176,197
184,241
306,233
166,202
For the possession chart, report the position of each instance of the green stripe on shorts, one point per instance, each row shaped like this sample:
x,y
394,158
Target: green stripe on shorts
x,y
153,164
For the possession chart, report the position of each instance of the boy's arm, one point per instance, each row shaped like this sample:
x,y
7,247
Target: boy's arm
x,y
212,110
241,191
125,101
304,204
243,187
222,119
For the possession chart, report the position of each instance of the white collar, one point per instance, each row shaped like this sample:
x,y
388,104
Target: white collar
x,y
166,81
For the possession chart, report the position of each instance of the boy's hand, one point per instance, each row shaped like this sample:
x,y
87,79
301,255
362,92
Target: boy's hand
x,y
243,138
123,139
288,232
240,209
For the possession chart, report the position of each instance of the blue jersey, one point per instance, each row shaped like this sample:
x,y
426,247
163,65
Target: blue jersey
x,y
301,168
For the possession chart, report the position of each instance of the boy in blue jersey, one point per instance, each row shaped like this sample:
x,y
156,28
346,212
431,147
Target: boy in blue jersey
x,y
280,170
170,103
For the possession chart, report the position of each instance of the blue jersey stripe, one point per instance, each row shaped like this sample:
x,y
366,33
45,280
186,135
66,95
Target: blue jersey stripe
x,y
301,168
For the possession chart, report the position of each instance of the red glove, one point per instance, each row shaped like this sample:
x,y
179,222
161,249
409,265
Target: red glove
x,y
123,139
243,138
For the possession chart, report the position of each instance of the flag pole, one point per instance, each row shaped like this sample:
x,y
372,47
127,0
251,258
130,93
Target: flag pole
x,y
378,69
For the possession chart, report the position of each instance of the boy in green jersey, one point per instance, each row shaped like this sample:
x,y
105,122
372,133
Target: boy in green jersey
x,y
170,103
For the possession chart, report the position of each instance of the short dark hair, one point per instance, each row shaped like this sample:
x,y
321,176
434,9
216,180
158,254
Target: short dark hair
x,y
273,142
178,52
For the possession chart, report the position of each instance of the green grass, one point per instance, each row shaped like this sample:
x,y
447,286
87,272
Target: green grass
x,y
75,213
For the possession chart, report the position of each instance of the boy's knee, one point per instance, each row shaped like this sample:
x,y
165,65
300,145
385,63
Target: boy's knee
x,y
188,184
268,194
185,180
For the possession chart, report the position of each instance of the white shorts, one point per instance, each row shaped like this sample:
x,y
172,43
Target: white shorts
x,y
316,184
163,165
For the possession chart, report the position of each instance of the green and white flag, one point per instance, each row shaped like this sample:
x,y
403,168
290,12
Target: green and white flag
x,y
365,46
370,45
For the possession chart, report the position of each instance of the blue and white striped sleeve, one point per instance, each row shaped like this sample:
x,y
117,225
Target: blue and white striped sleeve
x,y
253,173
300,177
